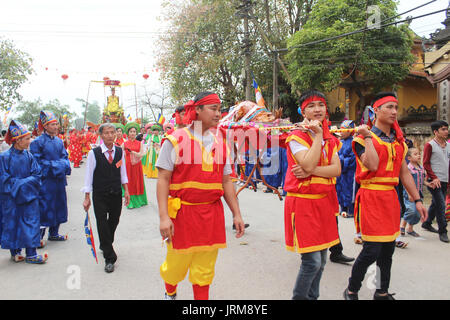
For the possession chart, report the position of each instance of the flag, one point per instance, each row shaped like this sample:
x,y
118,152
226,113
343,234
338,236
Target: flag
x,y
6,115
161,119
90,235
259,98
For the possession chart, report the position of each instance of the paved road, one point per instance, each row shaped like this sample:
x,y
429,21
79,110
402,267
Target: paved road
x,y
256,266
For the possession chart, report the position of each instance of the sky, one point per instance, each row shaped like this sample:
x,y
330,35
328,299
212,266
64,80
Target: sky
x,y
92,39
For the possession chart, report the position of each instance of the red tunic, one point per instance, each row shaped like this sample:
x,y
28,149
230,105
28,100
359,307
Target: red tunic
x,y
311,203
75,149
134,172
197,180
377,209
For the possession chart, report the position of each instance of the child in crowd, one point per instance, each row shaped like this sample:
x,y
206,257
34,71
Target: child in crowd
x,y
412,216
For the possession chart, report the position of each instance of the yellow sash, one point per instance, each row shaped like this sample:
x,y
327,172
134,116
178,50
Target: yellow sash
x,y
307,196
379,187
174,205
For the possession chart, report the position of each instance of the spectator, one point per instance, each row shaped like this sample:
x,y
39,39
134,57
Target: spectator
x,y
435,161
411,215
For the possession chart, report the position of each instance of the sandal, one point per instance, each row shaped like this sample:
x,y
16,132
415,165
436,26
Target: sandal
x,y
401,244
18,258
38,259
42,244
268,191
58,238
402,231
413,233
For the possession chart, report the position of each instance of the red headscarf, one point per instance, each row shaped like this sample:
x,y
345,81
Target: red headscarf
x,y
325,125
190,114
398,131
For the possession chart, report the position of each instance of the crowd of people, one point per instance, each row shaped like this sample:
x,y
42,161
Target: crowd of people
x,y
372,174
33,175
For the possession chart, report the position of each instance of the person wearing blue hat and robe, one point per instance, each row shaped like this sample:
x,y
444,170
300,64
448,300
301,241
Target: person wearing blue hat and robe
x,y
51,155
20,182
345,184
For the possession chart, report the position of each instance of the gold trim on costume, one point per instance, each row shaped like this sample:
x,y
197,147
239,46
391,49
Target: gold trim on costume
x,y
196,185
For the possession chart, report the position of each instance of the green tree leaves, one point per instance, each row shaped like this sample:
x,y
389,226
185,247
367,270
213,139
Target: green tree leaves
x,y
382,57
15,67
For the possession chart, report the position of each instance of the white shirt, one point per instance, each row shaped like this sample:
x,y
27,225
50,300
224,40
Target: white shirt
x,y
92,163
297,147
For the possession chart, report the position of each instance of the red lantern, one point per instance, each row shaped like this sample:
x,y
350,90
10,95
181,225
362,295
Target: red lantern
x,y
145,76
64,76
105,78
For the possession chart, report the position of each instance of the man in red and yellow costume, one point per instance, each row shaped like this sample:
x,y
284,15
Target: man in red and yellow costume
x,y
193,176
380,156
311,203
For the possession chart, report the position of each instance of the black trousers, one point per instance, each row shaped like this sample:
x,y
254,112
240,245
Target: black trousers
x,y
337,249
382,253
107,209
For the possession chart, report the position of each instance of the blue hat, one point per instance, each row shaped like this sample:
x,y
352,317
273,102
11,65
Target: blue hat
x,y
45,118
16,130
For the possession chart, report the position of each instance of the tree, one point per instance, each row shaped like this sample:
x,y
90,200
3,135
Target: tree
x,y
93,112
381,57
15,67
203,49
201,52
30,111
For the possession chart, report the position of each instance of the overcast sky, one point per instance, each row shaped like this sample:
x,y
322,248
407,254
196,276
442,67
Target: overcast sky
x,y
91,39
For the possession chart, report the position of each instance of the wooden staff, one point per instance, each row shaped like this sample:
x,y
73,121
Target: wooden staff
x,y
290,128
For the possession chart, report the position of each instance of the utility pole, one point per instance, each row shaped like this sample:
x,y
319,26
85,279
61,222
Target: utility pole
x,y
275,92
244,13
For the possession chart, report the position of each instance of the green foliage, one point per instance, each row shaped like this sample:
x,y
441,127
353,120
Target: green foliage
x,y
93,112
15,67
203,50
382,57
30,111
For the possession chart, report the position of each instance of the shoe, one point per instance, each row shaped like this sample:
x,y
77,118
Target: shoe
x,y
348,296
38,259
413,233
389,296
341,258
246,226
18,258
443,237
401,244
168,297
109,267
58,238
429,228
42,244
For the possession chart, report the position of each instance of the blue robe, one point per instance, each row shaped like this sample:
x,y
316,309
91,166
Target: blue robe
x,y
250,162
53,159
20,182
283,167
271,169
345,184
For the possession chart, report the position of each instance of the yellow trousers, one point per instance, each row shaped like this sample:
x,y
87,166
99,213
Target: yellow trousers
x,y
200,265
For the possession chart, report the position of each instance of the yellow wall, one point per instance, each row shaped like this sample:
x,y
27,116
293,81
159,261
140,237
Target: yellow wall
x,y
411,92
415,92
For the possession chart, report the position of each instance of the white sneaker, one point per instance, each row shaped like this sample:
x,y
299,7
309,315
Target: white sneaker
x,y
167,297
